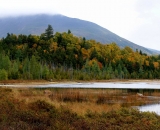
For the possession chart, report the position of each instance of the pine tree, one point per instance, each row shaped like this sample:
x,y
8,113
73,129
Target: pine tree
x,y
119,69
49,32
110,69
87,66
45,73
26,69
14,70
95,68
69,31
5,62
35,68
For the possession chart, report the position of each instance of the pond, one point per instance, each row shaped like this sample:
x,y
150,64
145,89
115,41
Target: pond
x,y
150,108
113,85
140,86
131,86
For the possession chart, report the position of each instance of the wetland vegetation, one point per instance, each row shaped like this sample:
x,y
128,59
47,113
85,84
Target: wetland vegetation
x,y
75,109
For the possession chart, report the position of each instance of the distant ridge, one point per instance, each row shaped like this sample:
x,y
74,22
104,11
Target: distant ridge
x,y
36,24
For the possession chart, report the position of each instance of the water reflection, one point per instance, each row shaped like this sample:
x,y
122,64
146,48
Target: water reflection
x,y
150,108
128,92
116,85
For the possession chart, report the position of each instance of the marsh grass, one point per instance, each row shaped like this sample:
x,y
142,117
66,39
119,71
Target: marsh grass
x,y
82,100
82,109
78,100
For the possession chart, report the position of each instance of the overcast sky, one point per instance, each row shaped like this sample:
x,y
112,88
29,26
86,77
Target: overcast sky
x,y
135,20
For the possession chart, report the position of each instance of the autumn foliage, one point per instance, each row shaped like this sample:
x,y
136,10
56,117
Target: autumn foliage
x,y
65,56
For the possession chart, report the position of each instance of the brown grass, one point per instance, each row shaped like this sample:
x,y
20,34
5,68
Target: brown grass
x,y
81,100
29,108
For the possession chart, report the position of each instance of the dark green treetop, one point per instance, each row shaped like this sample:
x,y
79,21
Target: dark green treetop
x,y
49,32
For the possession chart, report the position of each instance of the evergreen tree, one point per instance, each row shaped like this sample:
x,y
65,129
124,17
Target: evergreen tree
x,y
87,66
140,52
49,32
95,68
14,70
110,69
5,63
31,51
69,31
119,69
35,68
45,73
26,69
141,72
125,72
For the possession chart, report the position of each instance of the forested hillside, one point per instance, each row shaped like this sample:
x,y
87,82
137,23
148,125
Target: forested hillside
x,y
65,56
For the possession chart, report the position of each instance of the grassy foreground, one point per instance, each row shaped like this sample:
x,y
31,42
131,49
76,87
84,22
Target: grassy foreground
x,y
73,109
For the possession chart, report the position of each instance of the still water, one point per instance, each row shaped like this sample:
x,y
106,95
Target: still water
x,y
142,85
150,108
114,85
155,85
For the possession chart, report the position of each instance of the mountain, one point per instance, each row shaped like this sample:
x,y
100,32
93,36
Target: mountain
x,y
157,52
36,24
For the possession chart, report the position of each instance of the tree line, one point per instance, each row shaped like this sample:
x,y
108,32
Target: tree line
x,y
65,56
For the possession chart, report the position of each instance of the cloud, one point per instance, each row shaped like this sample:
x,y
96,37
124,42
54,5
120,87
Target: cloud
x,y
21,7
146,31
135,20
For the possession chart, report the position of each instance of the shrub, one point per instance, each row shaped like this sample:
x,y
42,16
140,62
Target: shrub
x,y
3,75
41,106
101,99
70,97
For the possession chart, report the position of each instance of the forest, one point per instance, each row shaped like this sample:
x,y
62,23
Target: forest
x,y
60,56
